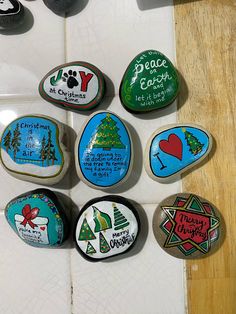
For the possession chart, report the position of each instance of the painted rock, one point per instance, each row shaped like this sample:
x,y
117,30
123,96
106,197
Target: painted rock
x,y
11,14
32,149
74,86
150,82
38,218
187,226
104,151
106,226
60,6
174,149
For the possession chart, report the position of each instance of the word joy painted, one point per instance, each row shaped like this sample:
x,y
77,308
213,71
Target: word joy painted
x,y
75,86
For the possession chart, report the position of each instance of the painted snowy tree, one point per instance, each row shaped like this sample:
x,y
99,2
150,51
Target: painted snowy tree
x,y
43,153
50,150
15,142
107,136
7,141
120,220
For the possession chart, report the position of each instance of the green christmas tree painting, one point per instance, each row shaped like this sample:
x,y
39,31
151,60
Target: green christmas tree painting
x,y
86,232
102,220
7,141
43,153
193,142
107,136
90,249
120,220
104,246
15,142
50,151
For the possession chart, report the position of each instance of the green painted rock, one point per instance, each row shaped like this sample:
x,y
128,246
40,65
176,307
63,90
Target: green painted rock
x,y
150,82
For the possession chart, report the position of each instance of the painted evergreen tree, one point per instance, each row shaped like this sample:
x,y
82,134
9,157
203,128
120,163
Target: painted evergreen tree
x,y
120,220
90,249
43,153
53,156
104,246
7,141
85,232
193,142
49,147
15,142
107,136
101,219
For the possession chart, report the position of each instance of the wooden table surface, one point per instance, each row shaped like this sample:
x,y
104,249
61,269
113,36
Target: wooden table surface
x,y
206,51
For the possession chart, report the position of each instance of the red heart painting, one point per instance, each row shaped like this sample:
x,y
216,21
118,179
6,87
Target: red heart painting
x,y
42,228
173,146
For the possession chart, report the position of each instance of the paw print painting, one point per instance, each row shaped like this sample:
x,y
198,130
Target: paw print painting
x,y
174,149
70,79
11,14
75,86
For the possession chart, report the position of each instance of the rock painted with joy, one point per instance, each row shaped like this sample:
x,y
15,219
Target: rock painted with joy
x,y
150,82
73,86
32,149
38,218
106,227
174,149
104,151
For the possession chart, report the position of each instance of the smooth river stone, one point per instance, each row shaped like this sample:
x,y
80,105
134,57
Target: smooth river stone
x,y
175,148
106,227
150,82
104,151
32,149
11,14
60,6
38,218
187,226
75,86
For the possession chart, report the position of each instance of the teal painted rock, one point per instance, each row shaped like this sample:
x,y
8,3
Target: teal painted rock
x,y
187,226
174,149
11,14
103,151
38,218
76,86
150,82
31,149
106,226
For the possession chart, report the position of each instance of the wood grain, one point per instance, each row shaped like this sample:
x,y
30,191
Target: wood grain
x,y
206,52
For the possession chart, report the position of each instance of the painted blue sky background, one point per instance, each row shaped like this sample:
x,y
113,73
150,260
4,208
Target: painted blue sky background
x,y
172,163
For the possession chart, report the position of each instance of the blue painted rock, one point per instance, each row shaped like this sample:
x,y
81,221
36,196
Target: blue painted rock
x,y
60,6
38,218
104,151
106,227
32,149
75,86
187,226
150,82
174,149
11,14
